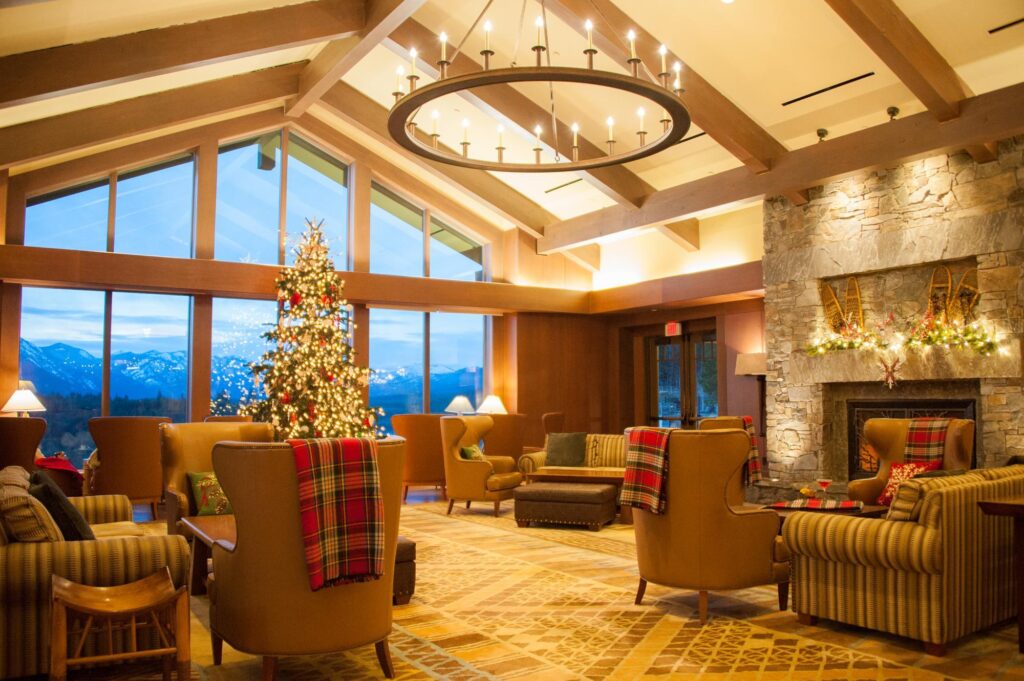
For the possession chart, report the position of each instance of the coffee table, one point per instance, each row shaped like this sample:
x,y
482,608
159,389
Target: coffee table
x,y
1013,508
607,476
206,530
865,511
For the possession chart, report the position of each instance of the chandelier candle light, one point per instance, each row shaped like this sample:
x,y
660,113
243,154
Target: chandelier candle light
x,y
658,90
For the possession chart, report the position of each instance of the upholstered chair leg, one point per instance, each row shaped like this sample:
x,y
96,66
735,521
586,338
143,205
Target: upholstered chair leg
x,y
702,606
384,658
218,647
451,503
497,508
269,668
640,592
783,596
405,494
468,502
444,491
153,506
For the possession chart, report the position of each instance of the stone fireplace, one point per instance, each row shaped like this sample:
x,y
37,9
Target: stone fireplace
x,y
890,229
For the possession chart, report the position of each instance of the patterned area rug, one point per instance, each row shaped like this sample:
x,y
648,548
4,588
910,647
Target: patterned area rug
x,y
494,601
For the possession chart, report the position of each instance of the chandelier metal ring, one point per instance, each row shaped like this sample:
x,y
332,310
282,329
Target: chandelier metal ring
x,y
404,131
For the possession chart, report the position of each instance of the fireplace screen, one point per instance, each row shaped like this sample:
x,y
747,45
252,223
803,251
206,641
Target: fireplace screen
x,y
863,459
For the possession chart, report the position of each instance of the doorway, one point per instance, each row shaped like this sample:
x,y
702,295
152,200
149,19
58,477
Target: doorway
x,y
683,377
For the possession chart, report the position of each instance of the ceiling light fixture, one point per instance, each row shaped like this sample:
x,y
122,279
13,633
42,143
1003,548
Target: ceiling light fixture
x,y
665,96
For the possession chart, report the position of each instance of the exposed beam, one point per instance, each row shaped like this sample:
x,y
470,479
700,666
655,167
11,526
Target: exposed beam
x,y
684,233
737,282
993,115
588,257
348,103
722,120
40,74
102,124
339,56
891,35
504,101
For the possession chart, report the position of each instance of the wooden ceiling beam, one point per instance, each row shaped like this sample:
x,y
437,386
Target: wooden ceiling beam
x,y
103,124
361,111
588,257
683,233
504,101
993,115
41,74
339,56
710,110
891,35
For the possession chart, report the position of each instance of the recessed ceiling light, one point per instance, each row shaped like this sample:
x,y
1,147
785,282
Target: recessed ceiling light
x,y
727,2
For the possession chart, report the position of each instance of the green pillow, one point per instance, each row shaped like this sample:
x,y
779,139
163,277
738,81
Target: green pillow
x,y
208,495
566,449
472,453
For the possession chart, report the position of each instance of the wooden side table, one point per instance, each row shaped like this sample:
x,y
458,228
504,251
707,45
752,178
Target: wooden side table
x,y
149,603
1013,508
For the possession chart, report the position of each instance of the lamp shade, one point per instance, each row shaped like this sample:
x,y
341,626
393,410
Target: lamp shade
x,y
460,405
751,364
492,404
23,400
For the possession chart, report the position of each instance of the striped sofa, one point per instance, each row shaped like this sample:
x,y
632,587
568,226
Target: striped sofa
x,y
940,571
26,569
602,451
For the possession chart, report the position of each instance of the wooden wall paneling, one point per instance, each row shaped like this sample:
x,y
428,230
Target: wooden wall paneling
x,y
200,358
205,199
5,178
10,339
743,332
722,360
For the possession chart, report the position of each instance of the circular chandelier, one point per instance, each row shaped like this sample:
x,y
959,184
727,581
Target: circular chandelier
x,y
664,95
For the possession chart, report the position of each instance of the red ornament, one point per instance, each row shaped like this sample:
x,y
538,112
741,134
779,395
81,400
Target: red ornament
x,y
327,300
294,418
296,299
286,398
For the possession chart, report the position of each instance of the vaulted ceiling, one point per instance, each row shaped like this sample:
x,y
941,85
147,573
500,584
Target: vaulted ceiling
x,y
760,79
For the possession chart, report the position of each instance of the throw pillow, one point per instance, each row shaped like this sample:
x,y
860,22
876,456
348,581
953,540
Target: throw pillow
x,y
939,473
472,453
566,449
208,495
69,519
24,518
901,472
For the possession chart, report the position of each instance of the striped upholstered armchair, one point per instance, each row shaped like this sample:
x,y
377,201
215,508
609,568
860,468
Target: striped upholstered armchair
x,y
940,571
26,569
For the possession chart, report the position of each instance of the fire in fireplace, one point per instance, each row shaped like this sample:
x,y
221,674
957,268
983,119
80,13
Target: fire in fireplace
x,y
862,457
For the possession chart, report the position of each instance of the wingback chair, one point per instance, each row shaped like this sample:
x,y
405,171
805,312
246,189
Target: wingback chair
x,y
720,423
19,441
707,540
127,458
888,437
505,437
424,454
188,448
261,602
227,418
553,422
491,479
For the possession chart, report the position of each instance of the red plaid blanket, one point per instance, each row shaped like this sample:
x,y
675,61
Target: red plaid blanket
x,y
926,440
755,466
340,509
820,504
643,485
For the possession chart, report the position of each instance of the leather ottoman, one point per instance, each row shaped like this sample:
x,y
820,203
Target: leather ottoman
x,y
565,503
405,571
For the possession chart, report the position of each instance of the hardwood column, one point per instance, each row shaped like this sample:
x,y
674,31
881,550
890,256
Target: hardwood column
x,y
200,358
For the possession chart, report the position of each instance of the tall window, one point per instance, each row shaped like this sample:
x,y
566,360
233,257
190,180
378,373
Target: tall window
x,y
456,358
396,234
317,190
396,355
238,326
149,355
453,256
71,218
248,201
153,210
683,376
62,354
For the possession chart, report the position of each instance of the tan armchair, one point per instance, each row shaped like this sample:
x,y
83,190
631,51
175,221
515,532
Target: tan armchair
x,y
492,479
188,448
424,454
260,601
227,418
720,423
20,438
127,458
707,540
888,437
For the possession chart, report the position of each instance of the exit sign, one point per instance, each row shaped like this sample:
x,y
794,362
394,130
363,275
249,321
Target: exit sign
x,y
674,329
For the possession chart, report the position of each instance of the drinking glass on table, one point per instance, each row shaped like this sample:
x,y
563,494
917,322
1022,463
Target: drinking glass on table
x,y
824,483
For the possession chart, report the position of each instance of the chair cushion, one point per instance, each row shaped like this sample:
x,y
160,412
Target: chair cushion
x,y
208,496
900,473
500,481
69,520
566,449
472,453
567,492
124,528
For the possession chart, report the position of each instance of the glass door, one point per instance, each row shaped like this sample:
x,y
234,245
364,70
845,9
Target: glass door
x,y
683,378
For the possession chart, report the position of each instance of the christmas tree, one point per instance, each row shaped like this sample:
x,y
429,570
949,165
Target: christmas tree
x,y
313,386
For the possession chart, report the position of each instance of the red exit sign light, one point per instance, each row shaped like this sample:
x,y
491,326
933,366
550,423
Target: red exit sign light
x,y
674,329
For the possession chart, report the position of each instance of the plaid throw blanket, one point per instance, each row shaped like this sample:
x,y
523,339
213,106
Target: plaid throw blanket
x,y
926,440
820,504
755,466
340,509
643,485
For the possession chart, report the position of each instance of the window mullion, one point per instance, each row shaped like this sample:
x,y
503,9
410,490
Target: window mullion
x,y
111,212
282,225
426,362
108,317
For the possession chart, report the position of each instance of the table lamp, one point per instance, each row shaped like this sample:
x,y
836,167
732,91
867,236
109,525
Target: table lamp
x,y
24,400
492,404
459,405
